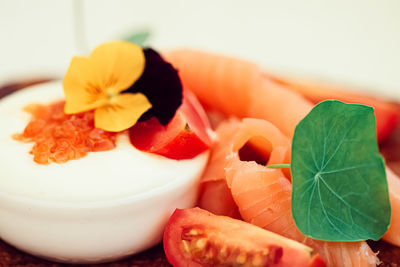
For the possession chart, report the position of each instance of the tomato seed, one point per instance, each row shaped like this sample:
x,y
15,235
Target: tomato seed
x,y
257,260
241,258
193,232
186,245
201,243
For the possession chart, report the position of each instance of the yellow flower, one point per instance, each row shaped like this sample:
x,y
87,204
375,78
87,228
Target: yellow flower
x,y
96,82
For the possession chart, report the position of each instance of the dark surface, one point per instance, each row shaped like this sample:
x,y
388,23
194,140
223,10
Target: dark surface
x,y
10,256
388,254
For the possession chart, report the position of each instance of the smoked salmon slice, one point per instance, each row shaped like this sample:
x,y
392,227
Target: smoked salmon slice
x,y
237,87
387,114
263,195
215,195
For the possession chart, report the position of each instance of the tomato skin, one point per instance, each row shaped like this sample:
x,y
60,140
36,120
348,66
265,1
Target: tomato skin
x,y
185,136
387,119
196,117
223,240
186,145
170,241
317,261
151,135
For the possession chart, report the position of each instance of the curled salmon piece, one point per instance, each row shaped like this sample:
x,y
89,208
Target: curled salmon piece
x,y
238,87
263,195
215,195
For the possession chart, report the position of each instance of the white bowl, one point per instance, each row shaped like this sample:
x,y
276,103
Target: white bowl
x,y
93,231
99,208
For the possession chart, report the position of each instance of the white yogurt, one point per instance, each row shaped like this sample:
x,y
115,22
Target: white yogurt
x,y
121,172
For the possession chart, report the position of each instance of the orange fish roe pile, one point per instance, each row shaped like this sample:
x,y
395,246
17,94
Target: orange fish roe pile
x,y
59,137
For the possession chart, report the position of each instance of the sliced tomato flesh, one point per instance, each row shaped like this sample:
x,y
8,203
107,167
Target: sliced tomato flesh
x,y
185,145
184,137
195,237
196,117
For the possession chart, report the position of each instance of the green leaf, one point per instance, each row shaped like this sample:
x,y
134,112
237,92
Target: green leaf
x,y
138,37
340,191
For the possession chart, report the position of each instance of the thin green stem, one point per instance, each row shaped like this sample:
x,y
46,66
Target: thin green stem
x,y
278,166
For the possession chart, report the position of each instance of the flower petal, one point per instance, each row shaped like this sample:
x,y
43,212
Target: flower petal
x,y
121,112
161,84
117,65
80,90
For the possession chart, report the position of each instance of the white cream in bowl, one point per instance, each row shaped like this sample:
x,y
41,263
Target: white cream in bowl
x,y
101,207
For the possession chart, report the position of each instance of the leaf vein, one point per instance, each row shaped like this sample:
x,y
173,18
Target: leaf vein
x,y
348,168
309,208
337,149
327,215
346,203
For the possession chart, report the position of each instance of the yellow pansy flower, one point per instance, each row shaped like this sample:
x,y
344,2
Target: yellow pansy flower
x,y
96,82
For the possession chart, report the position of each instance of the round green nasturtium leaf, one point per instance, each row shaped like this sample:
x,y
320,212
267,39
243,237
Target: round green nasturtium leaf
x,y
340,192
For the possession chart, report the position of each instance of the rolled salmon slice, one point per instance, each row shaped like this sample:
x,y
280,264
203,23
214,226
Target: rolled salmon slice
x,y
220,148
237,87
215,196
263,195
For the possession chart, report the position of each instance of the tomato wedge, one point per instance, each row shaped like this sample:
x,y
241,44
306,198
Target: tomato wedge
x,y
185,136
195,237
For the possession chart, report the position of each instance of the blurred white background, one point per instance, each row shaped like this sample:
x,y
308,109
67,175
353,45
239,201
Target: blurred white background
x,y
355,42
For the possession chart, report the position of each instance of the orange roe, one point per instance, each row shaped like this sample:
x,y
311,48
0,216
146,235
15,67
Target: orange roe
x,y
59,137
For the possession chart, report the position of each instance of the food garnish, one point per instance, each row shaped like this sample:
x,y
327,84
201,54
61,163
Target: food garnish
x,y
195,237
96,82
117,85
139,37
59,137
120,81
161,84
340,192
184,137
